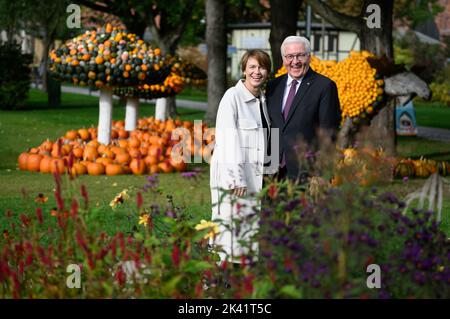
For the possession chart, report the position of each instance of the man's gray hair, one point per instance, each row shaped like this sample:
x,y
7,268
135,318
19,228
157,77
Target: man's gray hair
x,y
296,39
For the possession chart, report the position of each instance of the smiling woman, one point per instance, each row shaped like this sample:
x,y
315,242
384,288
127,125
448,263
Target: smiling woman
x,y
237,164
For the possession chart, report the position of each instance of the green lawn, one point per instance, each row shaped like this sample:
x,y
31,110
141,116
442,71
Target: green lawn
x,y
432,114
22,129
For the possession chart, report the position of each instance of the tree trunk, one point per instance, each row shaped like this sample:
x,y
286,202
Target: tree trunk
x,y
44,61
216,41
171,107
283,17
373,39
379,41
105,116
53,93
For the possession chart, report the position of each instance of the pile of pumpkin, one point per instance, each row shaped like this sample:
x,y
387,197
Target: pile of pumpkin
x,y
108,57
359,86
421,168
146,150
189,72
171,86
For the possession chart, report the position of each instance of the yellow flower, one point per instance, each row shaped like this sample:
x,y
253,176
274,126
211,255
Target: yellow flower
x,y
144,219
119,199
214,228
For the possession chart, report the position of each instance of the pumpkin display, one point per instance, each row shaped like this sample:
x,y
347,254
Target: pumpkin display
x,y
443,168
109,57
421,168
359,86
404,169
148,149
171,86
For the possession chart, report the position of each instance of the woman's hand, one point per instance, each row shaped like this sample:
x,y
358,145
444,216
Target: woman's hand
x,y
240,191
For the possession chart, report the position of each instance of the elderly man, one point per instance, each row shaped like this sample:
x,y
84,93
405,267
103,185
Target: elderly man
x,y
300,103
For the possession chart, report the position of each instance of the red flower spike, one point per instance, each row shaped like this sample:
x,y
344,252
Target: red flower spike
x,y
39,215
84,193
176,255
139,200
74,208
273,191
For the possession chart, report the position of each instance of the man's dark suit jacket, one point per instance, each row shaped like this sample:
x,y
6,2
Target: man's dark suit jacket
x,y
316,105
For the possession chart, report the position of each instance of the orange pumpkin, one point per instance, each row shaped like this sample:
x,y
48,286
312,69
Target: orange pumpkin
x,y
95,169
78,169
114,134
78,152
23,158
71,135
117,150
153,169
155,151
138,166
46,146
143,150
84,134
123,133
113,169
66,149
94,143
134,153
90,153
123,143
123,158
178,165
44,165
57,165
165,167
151,160
134,142
33,162
102,148
104,160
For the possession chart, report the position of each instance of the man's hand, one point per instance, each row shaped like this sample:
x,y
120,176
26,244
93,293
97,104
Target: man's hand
x,y
240,191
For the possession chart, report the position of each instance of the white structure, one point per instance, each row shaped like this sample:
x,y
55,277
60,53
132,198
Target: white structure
x,y
327,41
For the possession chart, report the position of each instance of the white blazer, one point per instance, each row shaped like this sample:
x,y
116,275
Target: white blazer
x,y
237,161
239,151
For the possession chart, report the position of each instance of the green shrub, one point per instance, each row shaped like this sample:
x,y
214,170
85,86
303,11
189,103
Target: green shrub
x,y
14,76
441,92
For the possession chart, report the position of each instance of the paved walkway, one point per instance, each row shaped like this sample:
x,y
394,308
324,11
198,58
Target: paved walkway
x,y
432,133
425,132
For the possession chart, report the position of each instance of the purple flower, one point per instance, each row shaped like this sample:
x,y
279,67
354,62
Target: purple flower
x,y
419,277
152,182
189,175
171,214
292,205
405,179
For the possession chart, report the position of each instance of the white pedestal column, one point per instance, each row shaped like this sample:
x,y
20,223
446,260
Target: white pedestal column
x,y
105,116
131,113
161,109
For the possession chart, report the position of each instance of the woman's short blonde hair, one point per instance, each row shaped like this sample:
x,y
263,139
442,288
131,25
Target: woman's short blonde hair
x,y
259,55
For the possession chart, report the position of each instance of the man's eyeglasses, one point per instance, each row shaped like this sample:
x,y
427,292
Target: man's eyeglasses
x,y
299,56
